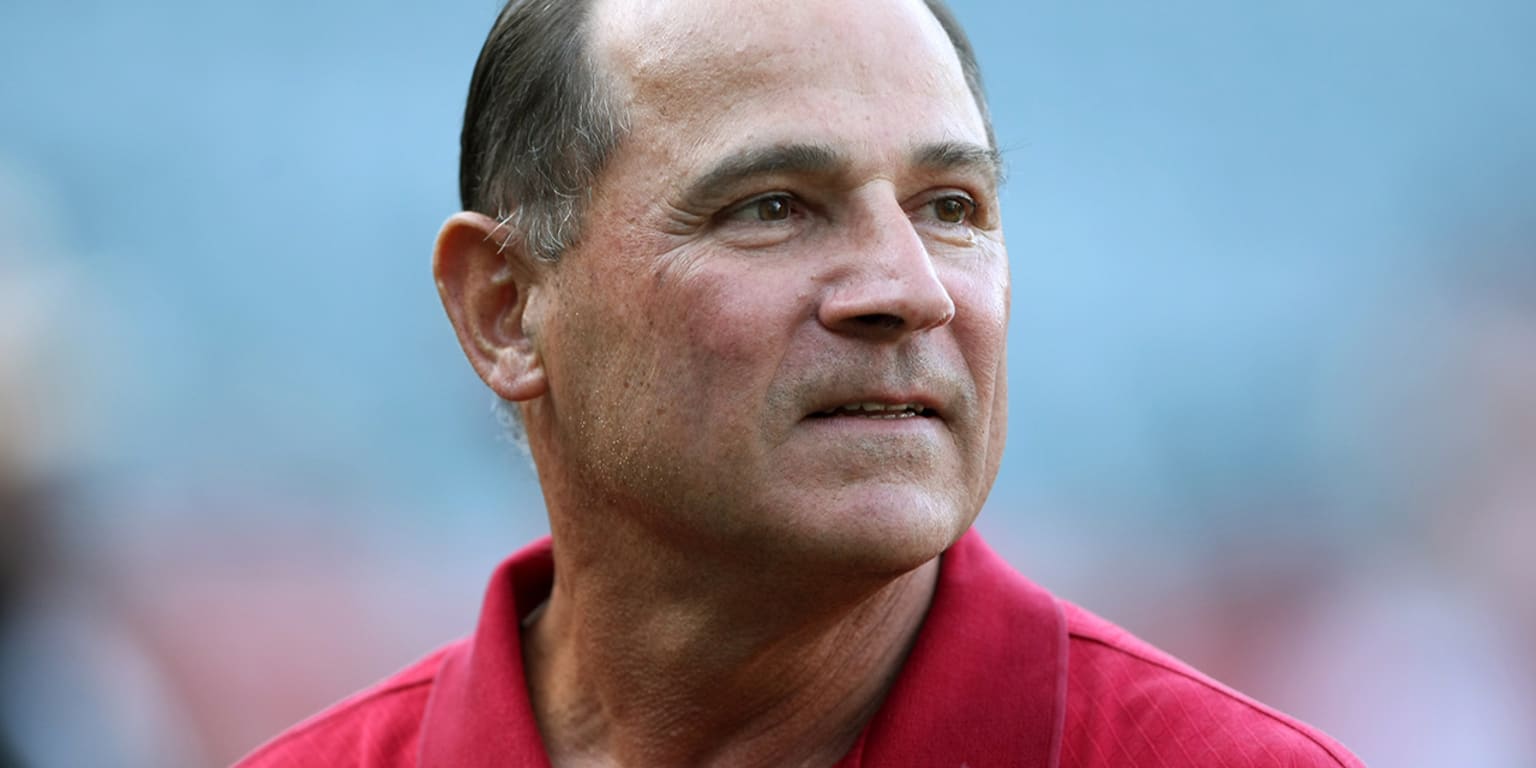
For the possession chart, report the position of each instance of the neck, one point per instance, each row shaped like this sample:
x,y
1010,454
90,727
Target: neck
x,y
673,661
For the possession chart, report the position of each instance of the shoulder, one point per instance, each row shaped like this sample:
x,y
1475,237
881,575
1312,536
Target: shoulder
x,y
374,728
1129,703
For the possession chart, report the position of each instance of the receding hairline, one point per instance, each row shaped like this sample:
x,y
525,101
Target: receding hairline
x,y
539,132
625,55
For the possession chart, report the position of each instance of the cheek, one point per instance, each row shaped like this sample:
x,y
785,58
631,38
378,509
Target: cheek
x,y
981,296
728,309
730,327
732,324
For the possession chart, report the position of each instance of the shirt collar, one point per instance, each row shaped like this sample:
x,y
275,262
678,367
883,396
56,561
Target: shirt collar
x,y
479,715
985,682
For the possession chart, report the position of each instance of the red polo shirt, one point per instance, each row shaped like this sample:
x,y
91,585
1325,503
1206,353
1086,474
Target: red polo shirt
x,y
1001,674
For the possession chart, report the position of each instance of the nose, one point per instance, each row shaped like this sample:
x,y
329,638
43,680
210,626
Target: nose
x,y
888,288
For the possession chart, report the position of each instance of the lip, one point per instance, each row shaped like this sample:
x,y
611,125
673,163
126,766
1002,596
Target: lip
x,y
922,405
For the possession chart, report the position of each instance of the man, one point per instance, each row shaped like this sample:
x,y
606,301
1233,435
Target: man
x,y
739,265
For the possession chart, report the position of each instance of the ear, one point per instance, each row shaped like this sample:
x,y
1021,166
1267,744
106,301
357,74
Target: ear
x,y
486,279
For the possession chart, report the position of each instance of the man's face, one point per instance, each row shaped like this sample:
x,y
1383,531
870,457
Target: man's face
x,y
783,329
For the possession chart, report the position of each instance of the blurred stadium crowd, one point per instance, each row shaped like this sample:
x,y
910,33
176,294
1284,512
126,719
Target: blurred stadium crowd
x,y
1274,361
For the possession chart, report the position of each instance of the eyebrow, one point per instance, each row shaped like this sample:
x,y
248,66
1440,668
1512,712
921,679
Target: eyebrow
x,y
962,156
818,159
753,162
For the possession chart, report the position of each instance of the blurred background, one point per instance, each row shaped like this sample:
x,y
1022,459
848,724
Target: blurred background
x,y
1273,359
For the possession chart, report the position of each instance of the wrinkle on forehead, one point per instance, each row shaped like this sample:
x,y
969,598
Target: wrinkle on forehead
x,y
698,50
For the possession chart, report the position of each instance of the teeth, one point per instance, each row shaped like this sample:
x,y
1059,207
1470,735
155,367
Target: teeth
x,y
882,410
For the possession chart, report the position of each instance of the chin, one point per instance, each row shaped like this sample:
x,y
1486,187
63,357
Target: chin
x,y
884,531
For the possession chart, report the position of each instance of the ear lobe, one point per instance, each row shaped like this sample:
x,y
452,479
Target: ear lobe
x,y
486,278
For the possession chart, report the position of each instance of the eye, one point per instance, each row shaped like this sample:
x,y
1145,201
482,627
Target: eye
x,y
774,207
953,209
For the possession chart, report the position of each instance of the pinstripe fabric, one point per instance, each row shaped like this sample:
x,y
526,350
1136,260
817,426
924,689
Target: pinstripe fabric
x,y
1130,704
1001,674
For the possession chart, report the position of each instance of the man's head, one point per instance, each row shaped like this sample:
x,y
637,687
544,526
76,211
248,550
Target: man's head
x,y
541,119
780,330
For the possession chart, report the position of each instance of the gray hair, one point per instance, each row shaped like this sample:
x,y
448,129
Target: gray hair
x,y
541,122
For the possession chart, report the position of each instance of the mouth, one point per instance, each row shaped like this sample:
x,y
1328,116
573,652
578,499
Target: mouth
x,y
876,411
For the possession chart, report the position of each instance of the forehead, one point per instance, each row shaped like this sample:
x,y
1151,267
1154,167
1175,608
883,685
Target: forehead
x,y
704,61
